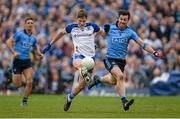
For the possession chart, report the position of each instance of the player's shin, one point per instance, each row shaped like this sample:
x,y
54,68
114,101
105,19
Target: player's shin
x,y
28,88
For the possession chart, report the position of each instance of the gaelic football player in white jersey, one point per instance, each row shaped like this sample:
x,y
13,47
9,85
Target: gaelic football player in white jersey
x,y
83,34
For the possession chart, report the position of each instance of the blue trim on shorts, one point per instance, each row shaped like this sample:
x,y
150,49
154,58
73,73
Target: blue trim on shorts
x,y
75,56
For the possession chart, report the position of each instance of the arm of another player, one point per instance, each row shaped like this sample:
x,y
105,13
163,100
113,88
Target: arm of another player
x,y
104,31
10,44
56,37
148,48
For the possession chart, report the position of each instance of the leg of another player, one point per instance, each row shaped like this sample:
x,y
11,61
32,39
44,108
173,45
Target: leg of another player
x,y
120,83
77,64
77,89
73,93
118,75
28,73
17,80
108,79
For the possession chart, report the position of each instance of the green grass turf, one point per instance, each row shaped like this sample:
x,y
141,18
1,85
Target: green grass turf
x,y
49,106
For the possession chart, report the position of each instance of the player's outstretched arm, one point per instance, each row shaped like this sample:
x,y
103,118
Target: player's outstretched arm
x,y
104,31
57,36
149,48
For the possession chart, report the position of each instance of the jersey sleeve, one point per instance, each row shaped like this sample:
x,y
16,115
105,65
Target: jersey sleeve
x,y
134,36
16,36
96,27
35,43
70,27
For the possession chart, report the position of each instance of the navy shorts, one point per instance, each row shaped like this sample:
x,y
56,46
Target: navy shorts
x,y
110,62
20,65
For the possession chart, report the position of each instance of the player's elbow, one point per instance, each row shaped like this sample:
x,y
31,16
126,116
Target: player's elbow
x,y
8,43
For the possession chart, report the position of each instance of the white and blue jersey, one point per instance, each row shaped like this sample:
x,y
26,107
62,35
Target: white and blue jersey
x,y
118,40
24,44
83,38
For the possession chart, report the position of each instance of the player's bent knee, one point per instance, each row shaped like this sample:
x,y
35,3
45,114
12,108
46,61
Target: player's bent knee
x,y
17,84
121,77
113,82
118,76
29,83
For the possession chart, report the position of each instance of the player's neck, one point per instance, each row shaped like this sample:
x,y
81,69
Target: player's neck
x,y
122,27
28,31
81,27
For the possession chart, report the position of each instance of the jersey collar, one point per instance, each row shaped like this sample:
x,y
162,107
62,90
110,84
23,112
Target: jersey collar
x,y
118,26
26,32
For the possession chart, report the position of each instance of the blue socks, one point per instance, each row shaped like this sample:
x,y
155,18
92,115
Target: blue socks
x,y
70,96
123,99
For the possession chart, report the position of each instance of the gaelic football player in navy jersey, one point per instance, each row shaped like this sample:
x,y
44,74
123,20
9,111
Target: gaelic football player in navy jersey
x,y
118,37
83,34
20,45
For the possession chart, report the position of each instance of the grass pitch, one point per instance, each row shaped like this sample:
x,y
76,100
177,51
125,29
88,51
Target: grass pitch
x,y
51,106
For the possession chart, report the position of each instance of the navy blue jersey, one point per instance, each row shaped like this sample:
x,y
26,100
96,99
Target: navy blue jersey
x,y
118,40
24,44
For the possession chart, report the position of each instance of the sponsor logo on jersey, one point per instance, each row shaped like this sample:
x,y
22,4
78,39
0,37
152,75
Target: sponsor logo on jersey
x,y
27,45
81,35
120,40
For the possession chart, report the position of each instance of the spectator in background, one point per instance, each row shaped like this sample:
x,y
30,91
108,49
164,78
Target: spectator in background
x,y
139,78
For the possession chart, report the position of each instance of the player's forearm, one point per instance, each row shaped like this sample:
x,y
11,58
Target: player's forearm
x,y
37,51
145,46
56,37
10,46
102,33
149,49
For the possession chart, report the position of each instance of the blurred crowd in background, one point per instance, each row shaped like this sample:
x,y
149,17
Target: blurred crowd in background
x,y
156,21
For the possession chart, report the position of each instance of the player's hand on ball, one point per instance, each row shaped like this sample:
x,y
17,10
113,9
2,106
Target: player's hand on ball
x,y
46,48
